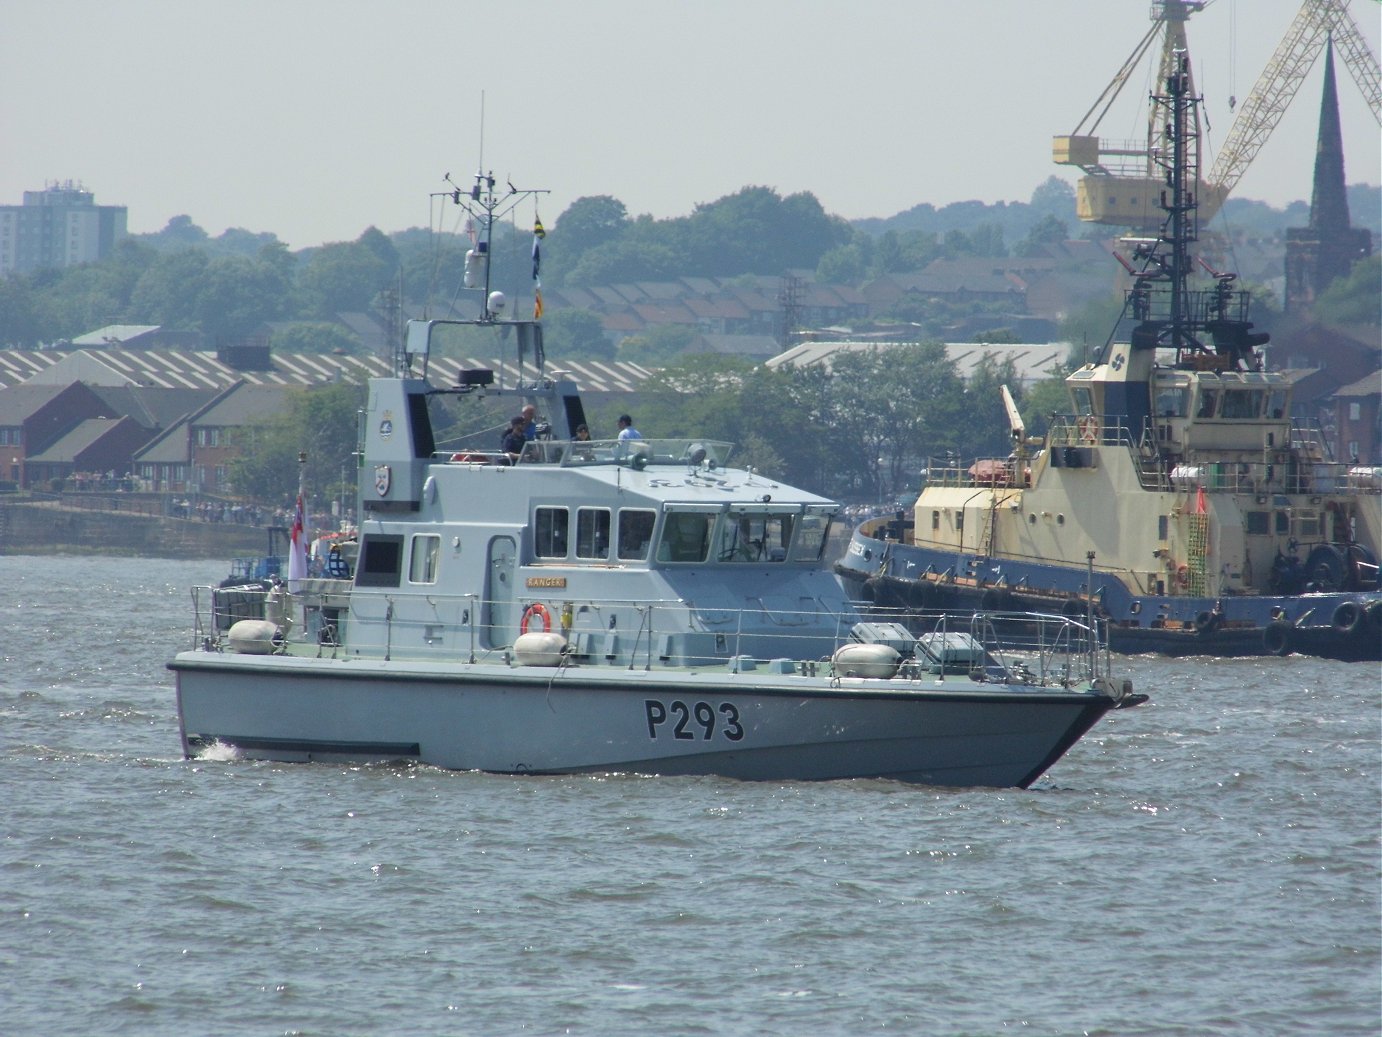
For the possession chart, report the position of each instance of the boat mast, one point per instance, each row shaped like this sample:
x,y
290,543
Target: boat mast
x,y
1212,325
1182,208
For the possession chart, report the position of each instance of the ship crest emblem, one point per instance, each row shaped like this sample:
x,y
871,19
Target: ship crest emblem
x,y
383,479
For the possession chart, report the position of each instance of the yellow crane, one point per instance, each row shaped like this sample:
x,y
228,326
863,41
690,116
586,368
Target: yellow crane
x,y
1123,180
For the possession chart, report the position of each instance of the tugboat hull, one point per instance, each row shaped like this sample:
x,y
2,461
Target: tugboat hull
x,y
1343,626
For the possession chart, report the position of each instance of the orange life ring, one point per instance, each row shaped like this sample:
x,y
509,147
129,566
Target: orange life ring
x,y
537,608
1183,576
1089,428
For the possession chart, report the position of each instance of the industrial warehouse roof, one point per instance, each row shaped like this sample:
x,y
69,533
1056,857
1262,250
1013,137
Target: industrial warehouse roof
x,y
179,369
1033,361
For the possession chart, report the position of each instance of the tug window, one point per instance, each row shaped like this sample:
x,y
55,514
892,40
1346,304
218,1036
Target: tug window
x,y
426,552
1173,401
1242,403
592,533
1209,398
635,533
550,527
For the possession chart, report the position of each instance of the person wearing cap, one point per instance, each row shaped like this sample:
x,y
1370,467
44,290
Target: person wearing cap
x,y
626,429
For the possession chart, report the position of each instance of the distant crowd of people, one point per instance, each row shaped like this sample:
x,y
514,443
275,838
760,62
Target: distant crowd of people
x,y
222,511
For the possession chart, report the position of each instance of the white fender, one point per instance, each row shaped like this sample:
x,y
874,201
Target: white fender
x,y
254,637
537,648
861,660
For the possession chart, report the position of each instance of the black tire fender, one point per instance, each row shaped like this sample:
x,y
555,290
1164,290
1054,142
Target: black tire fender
x,y
1206,622
1277,637
1348,617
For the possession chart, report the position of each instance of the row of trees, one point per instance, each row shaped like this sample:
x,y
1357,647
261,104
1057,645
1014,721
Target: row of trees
x,y
228,286
861,430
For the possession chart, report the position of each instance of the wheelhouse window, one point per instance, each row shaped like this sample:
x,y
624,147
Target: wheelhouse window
x,y
635,533
592,533
426,555
812,534
1209,401
550,532
1242,403
686,536
1083,399
381,561
754,536
1173,401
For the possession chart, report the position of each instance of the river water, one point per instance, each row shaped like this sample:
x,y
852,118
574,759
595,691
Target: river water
x,y
1205,864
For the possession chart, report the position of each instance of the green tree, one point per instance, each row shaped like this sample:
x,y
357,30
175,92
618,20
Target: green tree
x,y
320,421
236,294
1049,230
983,429
347,276
889,407
586,224
18,323
1355,299
166,293
1041,400
1054,197
180,233
843,264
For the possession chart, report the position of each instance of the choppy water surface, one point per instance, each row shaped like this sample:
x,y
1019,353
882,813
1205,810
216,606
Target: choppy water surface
x,y
1205,864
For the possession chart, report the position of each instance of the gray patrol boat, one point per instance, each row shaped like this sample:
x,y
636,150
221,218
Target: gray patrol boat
x,y
613,606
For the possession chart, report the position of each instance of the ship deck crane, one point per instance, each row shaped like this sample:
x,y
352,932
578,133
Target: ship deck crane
x,y
1123,179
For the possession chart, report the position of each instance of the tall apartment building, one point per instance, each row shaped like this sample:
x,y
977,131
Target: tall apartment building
x,y
59,226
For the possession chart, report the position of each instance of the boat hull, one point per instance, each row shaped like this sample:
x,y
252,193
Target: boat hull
x,y
901,576
536,720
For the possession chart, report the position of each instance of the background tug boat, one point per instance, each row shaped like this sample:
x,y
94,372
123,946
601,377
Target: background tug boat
x,y
1178,502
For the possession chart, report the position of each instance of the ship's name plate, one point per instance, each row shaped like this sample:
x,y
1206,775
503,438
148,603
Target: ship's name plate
x,y
546,581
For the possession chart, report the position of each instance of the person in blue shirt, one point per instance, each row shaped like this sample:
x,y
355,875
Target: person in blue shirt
x,y
626,429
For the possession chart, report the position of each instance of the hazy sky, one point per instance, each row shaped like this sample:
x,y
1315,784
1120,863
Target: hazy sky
x,y
315,120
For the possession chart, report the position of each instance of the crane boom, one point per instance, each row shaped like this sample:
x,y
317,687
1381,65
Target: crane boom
x,y
1315,22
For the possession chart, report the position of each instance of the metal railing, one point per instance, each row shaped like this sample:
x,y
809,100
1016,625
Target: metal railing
x,y
325,620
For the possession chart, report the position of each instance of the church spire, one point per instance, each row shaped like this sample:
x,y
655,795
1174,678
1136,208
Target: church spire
x,y
1329,200
1318,254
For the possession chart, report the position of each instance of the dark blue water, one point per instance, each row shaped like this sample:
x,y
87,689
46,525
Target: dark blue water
x,y
1206,864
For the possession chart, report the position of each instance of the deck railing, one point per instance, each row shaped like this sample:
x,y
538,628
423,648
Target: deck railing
x,y
323,620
